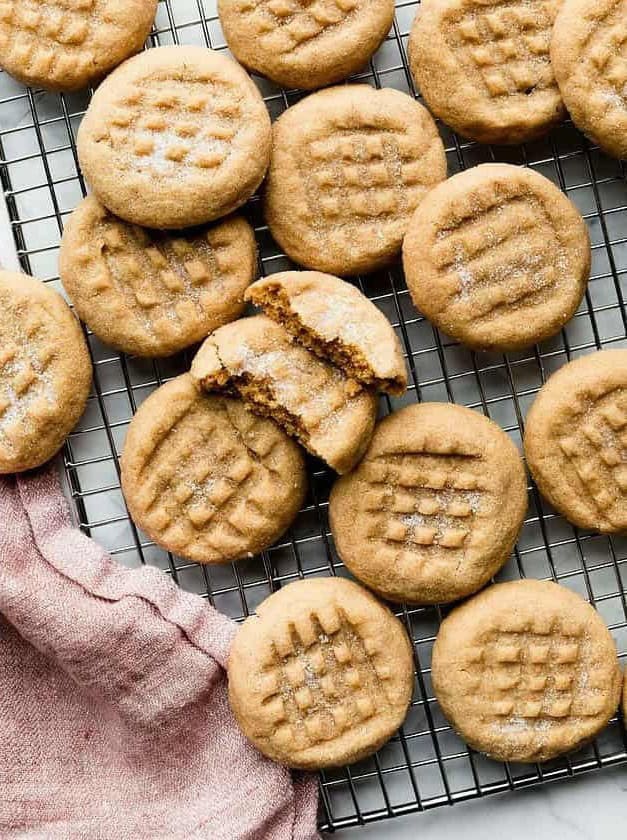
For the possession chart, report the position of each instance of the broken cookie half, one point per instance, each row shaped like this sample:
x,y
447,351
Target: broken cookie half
x,y
338,323
315,402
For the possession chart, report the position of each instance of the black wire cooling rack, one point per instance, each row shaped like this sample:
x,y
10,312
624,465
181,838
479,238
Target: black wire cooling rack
x,y
426,765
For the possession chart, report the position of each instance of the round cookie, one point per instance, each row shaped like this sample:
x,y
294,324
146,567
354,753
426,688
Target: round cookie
x,y
588,52
435,507
336,322
67,44
322,676
526,671
45,372
349,166
312,400
207,479
497,257
151,293
576,441
301,44
175,137
483,67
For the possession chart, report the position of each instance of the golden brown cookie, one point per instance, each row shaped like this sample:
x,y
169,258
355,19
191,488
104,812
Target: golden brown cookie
x,y
349,166
483,66
576,441
45,372
322,676
175,137
526,671
305,43
435,507
207,479
336,322
69,44
589,55
312,400
497,257
151,293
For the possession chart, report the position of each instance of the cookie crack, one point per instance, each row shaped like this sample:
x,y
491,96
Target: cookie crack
x,y
346,356
263,402
254,455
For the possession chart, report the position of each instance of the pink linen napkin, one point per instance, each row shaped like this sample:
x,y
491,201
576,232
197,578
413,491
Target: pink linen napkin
x,y
114,719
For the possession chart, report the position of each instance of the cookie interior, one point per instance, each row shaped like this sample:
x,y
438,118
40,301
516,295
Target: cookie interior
x,y
259,394
275,302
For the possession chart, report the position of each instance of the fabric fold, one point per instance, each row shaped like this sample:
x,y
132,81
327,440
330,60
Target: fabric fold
x,y
114,713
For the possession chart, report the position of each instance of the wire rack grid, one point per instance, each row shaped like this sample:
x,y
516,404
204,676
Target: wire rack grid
x,y
426,764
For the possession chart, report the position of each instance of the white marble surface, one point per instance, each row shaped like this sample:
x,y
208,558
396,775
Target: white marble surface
x,y
592,807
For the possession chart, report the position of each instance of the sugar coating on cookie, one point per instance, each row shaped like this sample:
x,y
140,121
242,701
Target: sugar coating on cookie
x,y
589,55
434,509
67,44
497,257
576,441
322,676
45,372
483,66
313,401
526,671
207,479
151,293
349,166
305,43
336,322
176,136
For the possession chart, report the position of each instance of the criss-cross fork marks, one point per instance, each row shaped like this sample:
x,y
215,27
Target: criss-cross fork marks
x,y
422,507
594,451
203,483
161,280
172,125
507,44
324,679
51,38
504,256
26,394
358,179
287,25
545,676
606,55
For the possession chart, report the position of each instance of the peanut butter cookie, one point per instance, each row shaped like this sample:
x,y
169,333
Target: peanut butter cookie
x,y
435,507
526,671
336,322
589,55
175,137
483,66
497,257
151,293
207,479
305,44
45,372
349,166
69,44
313,401
322,676
576,441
